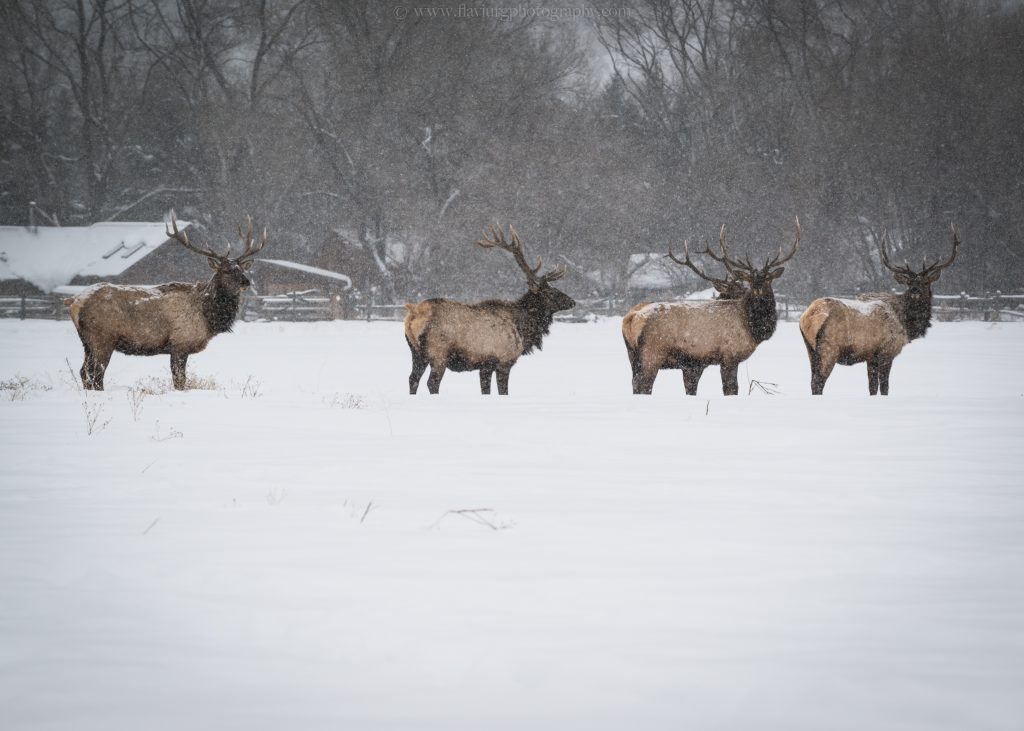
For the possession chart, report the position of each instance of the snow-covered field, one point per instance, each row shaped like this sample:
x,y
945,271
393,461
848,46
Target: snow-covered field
x,y
283,552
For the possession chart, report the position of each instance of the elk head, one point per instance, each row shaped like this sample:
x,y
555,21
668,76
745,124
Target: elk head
x,y
917,300
542,294
228,272
758,279
919,284
758,301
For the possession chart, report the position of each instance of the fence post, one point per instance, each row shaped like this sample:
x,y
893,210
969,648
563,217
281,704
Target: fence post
x,y
22,311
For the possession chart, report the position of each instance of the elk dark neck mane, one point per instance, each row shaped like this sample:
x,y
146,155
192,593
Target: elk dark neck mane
x,y
761,316
220,306
916,318
533,320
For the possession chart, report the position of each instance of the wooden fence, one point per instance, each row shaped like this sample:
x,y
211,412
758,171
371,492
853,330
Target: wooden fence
x,y
312,305
293,307
612,307
990,308
946,307
34,308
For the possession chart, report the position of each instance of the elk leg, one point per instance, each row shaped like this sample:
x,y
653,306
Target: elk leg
x,y
99,367
434,379
88,365
730,383
178,370
485,380
872,376
884,366
419,364
691,377
503,380
821,369
643,379
634,360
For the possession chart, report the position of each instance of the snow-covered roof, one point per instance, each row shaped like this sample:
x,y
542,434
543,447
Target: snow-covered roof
x,y
326,273
49,256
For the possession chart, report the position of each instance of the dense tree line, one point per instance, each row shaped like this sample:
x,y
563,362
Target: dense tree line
x,y
384,141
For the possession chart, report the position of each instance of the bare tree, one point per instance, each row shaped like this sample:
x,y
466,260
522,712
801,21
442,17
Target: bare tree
x,y
83,48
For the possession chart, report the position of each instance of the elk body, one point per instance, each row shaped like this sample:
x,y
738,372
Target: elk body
x,y
872,329
693,335
173,319
488,336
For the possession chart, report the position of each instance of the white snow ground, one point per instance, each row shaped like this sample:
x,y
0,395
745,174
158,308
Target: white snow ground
x,y
287,560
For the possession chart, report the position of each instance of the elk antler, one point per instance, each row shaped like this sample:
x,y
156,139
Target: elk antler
x,y
745,269
739,269
777,261
251,250
720,284
495,238
182,238
884,251
939,266
926,269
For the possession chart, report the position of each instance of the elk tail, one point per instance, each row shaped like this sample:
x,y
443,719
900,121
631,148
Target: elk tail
x,y
812,323
631,351
632,325
416,321
632,329
74,309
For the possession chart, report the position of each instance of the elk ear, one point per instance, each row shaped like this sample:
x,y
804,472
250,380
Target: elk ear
x,y
903,278
776,273
246,265
212,262
934,277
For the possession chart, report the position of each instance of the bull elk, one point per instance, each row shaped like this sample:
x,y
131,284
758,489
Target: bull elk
x,y
873,328
175,319
693,335
488,336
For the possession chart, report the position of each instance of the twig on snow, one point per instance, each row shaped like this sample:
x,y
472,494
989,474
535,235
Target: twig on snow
x,y
771,389
475,515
